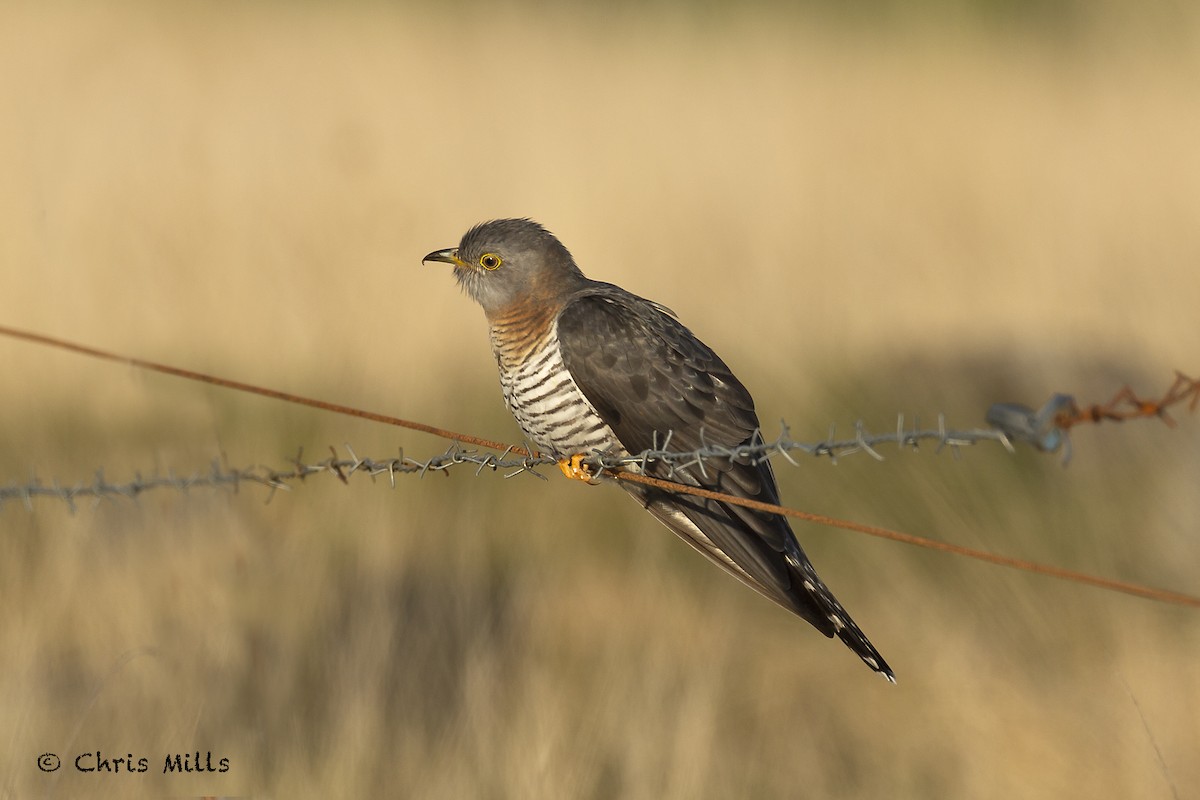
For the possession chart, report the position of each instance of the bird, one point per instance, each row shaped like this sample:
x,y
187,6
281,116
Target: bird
x,y
587,367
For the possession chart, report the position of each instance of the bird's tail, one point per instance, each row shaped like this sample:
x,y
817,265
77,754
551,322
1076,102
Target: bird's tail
x,y
843,626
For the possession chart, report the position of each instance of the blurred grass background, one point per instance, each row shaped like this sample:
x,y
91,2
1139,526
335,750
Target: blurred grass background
x,y
909,207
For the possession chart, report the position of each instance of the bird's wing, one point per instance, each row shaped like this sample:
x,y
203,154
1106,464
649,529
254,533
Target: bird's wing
x,y
648,376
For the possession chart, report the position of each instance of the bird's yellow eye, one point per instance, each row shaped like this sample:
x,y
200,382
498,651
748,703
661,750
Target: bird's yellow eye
x,y
490,261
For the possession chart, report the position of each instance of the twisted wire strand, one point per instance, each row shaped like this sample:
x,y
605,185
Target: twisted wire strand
x,y
1046,429
219,475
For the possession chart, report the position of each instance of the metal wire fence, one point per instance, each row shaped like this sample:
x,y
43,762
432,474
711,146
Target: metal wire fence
x,y
1047,429
511,462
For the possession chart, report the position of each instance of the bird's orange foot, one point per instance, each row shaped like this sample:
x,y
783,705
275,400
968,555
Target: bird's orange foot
x,y
575,469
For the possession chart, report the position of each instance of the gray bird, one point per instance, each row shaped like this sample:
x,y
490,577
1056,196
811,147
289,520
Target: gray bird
x,y
586,366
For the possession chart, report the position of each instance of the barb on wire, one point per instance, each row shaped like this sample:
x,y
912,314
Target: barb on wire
x,y
1126,405
1047,428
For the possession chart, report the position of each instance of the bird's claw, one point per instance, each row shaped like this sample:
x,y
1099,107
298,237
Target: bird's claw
x,y
575,469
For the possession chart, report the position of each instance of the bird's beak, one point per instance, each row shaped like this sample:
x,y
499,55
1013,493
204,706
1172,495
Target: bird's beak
x,y
445,256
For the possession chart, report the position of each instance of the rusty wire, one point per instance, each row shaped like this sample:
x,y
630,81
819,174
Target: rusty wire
x,y
1045,428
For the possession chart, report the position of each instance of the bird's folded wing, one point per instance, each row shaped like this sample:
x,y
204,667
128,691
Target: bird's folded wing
x,y
648,376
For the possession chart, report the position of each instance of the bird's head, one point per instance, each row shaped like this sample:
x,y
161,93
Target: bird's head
x,y
507,262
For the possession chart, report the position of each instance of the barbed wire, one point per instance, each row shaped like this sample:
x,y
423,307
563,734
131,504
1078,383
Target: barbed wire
x,y
1046,429
220,475
512,461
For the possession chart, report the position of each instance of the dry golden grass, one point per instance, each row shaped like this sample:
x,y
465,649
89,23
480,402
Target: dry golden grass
x,y
922,221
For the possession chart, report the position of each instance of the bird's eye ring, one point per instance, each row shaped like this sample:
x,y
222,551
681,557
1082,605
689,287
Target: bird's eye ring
x,y
490,261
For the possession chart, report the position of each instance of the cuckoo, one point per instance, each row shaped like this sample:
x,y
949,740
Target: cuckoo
x,y
587,367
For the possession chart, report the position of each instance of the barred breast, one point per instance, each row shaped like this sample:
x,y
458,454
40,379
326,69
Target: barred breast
x,y
541,394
